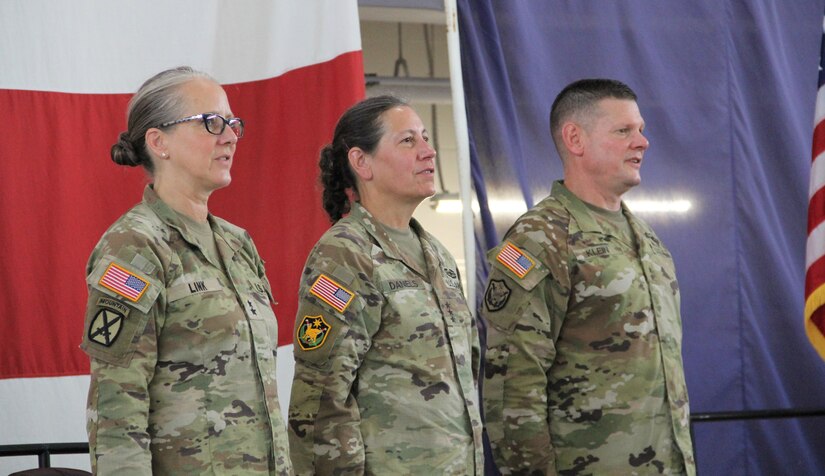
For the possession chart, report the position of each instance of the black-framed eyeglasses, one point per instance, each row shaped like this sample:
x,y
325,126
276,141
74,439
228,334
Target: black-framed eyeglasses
x,y
214,123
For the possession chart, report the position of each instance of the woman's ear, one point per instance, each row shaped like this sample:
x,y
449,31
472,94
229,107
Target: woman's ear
x,y
361,163
156,142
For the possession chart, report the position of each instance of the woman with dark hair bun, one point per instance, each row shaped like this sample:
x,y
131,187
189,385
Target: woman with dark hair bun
x,y
179,325
386,349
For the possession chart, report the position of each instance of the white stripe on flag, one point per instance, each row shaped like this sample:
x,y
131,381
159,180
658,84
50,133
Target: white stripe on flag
x,y
817,180
511,256
819,115
100,46
116,278
328,290
815,246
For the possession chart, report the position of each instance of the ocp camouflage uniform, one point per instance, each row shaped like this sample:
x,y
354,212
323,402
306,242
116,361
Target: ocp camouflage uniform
x,y
583,372
182,351
386,359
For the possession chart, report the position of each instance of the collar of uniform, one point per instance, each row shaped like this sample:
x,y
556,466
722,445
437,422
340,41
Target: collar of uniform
x,y
580,211
233,243
162,210
377,230
168,216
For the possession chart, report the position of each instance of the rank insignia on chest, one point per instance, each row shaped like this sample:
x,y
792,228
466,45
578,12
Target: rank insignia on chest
x,y
123,282
515,260
312,332
332,293
450,277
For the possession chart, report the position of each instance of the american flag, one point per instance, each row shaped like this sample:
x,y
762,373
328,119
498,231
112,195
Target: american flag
x,y
123,282
515,260
815,249
331,293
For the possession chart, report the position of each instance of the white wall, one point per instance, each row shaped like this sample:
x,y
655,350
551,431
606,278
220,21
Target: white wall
x,y
380,46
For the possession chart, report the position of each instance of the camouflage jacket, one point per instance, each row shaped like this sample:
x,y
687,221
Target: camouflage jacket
x,y
182,351
386,359
583,369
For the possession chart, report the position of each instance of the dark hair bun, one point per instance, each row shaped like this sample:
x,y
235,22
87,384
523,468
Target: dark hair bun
x,y
124,153
335,178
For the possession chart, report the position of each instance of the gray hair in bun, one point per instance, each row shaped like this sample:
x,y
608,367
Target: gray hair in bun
x,y
157,101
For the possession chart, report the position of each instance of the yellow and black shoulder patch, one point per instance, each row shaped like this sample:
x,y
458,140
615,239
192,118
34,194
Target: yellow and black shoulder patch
x,y
312,332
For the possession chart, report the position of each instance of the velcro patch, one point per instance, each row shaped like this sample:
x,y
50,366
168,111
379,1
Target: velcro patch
x,y
450,277
391,285
312,332
332,293
105,326
598,250
497,295
123,282
515,260
194,286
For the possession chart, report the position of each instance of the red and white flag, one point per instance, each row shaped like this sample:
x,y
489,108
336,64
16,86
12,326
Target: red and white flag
x,y
815,249
67,71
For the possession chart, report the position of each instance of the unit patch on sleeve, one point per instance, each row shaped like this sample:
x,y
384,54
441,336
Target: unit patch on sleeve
x,y
107,323
332,293
312,332
497,295
123,282
515,260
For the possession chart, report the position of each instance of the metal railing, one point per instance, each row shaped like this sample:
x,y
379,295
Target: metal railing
x,y
43,451
755,415
711,417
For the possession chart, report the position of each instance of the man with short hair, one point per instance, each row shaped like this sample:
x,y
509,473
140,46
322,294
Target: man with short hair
x,y
583,370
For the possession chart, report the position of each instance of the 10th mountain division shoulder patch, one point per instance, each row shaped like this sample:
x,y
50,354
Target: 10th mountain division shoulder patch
x,y
312,332
106,326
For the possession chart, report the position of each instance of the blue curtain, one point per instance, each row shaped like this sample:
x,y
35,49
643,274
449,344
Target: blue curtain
x,y
727,89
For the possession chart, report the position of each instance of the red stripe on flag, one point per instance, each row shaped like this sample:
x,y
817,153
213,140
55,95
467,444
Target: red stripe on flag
x,y
117,280
67,192
819,140
274,193
815,274
328,290
816,210
509,256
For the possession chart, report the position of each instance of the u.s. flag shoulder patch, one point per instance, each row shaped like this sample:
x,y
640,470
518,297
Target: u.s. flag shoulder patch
x,y
515,260
332,293
123,282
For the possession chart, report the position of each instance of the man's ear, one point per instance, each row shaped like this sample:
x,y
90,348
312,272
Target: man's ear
x,y
572,135
360,163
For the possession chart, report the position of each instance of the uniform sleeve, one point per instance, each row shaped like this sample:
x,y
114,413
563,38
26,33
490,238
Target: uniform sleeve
x,y
337,315
523,311
120,339
476,350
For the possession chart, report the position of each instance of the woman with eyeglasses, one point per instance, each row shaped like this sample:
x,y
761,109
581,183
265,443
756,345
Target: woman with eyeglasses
x,y
386,349
179,325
